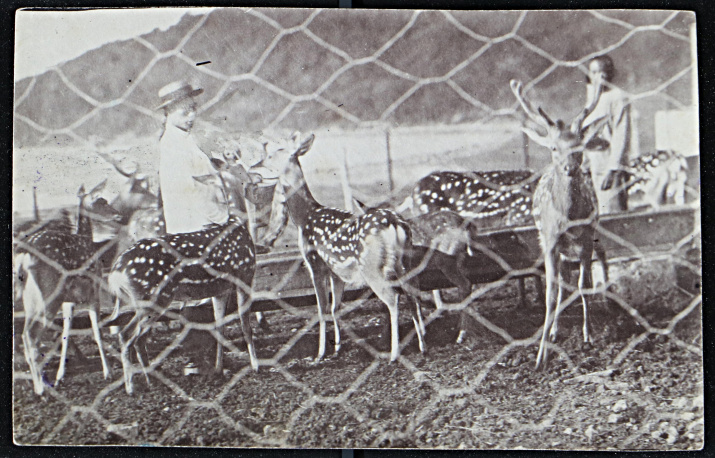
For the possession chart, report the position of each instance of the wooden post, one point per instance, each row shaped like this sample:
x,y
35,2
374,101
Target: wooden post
x,y
35,208
390,181
345,181
251,216
525,143
694,80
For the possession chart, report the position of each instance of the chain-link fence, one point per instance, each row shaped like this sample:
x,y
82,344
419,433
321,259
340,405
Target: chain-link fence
x,y
391,97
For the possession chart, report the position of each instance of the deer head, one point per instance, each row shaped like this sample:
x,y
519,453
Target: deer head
x,y
136,193
98,211
231,178
565,142
282,158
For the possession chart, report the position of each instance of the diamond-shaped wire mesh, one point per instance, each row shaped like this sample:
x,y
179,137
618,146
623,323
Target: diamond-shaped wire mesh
x,y
391,98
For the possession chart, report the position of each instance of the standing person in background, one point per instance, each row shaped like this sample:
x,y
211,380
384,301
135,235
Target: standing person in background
x,y
608,154
188,205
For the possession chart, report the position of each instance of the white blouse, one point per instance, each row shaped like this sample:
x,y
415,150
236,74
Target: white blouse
x,y
618,131
188,204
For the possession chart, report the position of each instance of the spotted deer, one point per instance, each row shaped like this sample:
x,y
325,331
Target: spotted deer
x,y
59,268
339,247
215,263
492,198
443,240
565,210
489,199
135,194
657,178
142,216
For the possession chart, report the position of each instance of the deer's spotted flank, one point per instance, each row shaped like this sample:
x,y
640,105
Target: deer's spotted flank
x,y
503,194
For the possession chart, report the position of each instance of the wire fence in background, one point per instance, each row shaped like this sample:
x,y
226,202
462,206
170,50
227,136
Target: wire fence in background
x,y
301,69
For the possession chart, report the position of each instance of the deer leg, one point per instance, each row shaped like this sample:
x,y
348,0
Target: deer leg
x,y
452,268
251,216
97,332
337,286
419,323
244,313
585,286
564,277
30,340
391,299
319,275
412,288
551,269
219,306
140,348
601,255
128,336
67,314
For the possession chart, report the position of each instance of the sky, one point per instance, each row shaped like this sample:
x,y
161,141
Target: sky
x,y
44,39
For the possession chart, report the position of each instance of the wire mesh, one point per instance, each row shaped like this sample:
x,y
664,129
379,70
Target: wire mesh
x,y
427,91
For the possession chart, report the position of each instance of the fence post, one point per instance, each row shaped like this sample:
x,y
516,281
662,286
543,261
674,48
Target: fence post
x,y
35,208
345,181
525,143
390,182
694,80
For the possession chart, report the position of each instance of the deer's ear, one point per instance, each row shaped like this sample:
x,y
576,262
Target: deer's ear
x,y
537,137
305,146
255,177
217,163
99,187
204,179
358,207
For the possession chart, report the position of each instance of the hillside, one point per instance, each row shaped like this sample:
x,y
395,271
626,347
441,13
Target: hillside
x,y
428,69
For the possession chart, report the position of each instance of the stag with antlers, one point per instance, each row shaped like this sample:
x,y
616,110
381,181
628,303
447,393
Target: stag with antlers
x,y
565,210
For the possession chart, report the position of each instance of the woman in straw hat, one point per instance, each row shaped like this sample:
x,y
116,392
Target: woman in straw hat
x,y
188,205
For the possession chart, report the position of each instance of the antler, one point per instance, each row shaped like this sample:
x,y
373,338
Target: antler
x,y
115,163
578,121
537,115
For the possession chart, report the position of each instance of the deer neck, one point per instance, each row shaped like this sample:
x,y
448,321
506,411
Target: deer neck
x,y
84,223
299,200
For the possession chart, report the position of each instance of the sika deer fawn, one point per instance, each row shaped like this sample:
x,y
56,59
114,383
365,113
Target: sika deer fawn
x,y
339,247
214,262
565,210
59,268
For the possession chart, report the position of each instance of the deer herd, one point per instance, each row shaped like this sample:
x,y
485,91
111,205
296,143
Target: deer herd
x,y
142,270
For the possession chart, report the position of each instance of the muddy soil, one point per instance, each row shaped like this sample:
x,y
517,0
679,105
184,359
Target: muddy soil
x,y
629,389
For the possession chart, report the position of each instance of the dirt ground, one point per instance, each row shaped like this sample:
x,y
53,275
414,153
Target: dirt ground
x,y
630,389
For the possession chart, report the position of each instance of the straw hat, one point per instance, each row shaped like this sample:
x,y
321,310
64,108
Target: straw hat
x,y
175,92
